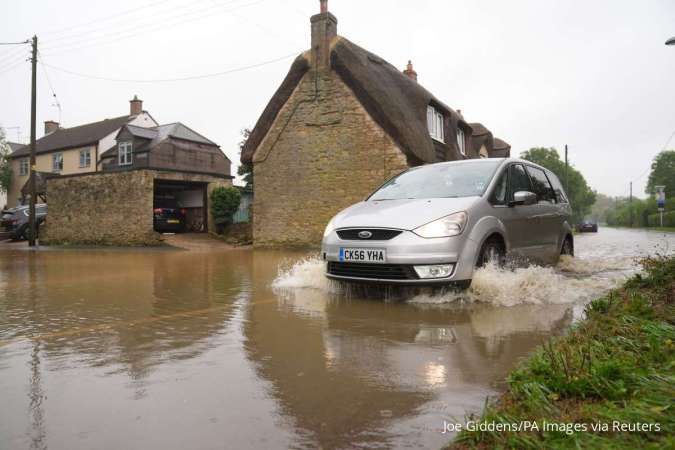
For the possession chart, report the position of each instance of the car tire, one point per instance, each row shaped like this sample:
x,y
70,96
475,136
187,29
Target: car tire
x,y
567,247
491,251
25,234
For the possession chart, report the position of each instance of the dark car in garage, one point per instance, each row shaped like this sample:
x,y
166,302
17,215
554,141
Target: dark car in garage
x,y
169,220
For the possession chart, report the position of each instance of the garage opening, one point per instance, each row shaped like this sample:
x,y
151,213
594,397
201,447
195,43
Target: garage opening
x,y
180,206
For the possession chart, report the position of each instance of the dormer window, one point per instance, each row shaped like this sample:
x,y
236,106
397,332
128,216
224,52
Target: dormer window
x,y
435,123
461,143
124,153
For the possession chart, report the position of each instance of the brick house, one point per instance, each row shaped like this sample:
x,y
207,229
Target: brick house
x,y
342,122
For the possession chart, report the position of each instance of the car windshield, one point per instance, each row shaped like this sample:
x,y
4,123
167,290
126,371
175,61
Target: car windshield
x,y
467,179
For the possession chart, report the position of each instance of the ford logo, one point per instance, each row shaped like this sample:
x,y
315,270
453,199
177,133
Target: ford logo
x,y
365,234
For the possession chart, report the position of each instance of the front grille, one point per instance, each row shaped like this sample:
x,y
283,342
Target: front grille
x,y
378,234
372,271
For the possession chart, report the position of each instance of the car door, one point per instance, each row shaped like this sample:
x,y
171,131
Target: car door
x,y
547,215
522,230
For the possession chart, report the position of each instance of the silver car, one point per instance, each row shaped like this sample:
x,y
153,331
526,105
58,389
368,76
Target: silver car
x,y
435,224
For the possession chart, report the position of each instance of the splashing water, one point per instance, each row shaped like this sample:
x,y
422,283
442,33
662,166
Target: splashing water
x,y
572,280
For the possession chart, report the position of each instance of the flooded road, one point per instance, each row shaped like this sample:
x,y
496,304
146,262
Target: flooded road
x,y
162,349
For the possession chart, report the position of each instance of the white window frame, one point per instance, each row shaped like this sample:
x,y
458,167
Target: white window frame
x,y
87,158
461,141
24,167
57,162
125,152
435,124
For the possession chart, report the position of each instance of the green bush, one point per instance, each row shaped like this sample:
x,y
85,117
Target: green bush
x,y
668,219
224,203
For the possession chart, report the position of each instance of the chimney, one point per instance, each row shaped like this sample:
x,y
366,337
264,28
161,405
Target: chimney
x,y
410,72
324,29
51,126
135,106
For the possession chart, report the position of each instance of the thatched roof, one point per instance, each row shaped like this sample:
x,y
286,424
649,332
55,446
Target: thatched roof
x,y
480,137
396,102
501,149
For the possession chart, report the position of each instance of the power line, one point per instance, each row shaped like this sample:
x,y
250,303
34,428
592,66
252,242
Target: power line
x,y
167,80
131,23
665,146
15,43
51,87
144,29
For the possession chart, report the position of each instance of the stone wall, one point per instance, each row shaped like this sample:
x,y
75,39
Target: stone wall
x,y
109,208
323,153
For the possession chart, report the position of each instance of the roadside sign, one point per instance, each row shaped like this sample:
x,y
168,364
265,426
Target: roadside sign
x,y
661,197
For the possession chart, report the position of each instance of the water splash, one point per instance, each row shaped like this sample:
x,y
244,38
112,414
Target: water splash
x,y
572,280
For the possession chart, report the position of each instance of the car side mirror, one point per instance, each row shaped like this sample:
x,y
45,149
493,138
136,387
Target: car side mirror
x,y
523,198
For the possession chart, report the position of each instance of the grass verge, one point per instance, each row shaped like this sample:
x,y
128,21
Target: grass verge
x,y
616,369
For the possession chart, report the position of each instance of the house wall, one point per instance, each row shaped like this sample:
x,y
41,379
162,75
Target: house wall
x,y
43,163
142,120
323,153
109,208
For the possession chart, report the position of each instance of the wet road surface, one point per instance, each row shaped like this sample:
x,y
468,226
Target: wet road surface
x,y
157,349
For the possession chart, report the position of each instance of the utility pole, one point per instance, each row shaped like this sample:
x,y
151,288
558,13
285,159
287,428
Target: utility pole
x,y
567,182
31,180
630,204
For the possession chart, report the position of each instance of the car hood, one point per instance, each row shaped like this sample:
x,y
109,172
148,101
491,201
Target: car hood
x,y
405,214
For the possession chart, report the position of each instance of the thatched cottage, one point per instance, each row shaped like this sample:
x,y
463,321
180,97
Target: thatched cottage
x,y
342,122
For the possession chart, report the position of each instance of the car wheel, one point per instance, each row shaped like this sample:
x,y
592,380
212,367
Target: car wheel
x,y
492,252
567,247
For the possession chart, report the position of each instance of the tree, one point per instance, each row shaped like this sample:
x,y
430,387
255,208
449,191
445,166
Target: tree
x,y
245,170
663,172
581,196
5,163
224,203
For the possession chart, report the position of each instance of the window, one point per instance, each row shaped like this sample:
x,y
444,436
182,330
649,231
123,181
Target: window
x,y
124,150
23,167
540,185
57,162
466,179
461,143
560,195
85,158
435,124
499,193
518,180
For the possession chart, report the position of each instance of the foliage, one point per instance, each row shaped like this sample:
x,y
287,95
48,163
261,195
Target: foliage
x,y
617,365
581,196
663,172
5,163
636,213
224,203
245,170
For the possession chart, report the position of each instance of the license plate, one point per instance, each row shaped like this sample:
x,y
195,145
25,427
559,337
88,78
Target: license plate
x,y
369,255
173,221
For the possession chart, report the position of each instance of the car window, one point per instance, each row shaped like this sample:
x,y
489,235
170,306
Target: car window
x,y
518,181
500,191
560,195
447,180
541,185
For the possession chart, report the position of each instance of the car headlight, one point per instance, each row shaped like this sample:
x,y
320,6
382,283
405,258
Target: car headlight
x,y
447,226
329,228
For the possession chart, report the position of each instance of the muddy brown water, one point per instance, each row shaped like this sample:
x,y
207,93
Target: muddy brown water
x,y
156,349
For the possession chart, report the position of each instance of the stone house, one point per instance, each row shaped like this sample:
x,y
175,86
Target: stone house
x,y
342,122
147,168
67,151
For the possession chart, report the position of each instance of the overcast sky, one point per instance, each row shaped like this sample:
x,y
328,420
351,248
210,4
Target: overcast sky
x,y
595,75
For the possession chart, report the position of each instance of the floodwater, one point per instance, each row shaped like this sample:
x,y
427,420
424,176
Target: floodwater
x,y
157,349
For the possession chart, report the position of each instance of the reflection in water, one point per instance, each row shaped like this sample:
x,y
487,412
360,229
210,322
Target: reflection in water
x,y
171,349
